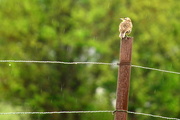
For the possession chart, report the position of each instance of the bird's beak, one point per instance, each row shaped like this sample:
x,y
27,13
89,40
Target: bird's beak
x,y
122,18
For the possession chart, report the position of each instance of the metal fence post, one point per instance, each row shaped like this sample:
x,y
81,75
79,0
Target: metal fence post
x,y
124,71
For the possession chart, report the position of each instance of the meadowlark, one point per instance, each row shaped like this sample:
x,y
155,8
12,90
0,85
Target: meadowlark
x,y
125,27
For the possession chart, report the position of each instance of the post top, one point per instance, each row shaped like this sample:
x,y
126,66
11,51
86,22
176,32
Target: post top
x,y
127,38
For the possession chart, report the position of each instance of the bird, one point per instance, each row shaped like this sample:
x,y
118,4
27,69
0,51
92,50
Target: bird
x,y
125,27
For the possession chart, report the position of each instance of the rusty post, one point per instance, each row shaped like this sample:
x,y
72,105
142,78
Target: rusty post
x,y
123,79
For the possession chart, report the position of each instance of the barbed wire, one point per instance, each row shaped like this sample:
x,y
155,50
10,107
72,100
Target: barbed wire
x,y
103,111
92,63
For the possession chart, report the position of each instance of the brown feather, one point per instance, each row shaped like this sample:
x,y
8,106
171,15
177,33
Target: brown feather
x,y
125,27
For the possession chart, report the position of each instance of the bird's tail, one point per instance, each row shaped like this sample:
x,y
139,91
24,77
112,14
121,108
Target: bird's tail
x,y
122,35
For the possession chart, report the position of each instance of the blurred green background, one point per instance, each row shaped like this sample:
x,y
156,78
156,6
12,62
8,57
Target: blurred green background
x,y
87,30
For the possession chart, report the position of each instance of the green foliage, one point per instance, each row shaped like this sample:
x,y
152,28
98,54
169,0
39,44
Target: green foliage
x,y
87,30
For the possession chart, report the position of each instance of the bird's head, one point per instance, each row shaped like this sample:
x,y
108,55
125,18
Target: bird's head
x,y
126,18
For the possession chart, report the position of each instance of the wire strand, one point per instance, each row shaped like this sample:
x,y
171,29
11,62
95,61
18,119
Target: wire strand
x,y
92,63
57,112
104,111
59,62
155,69
150,115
